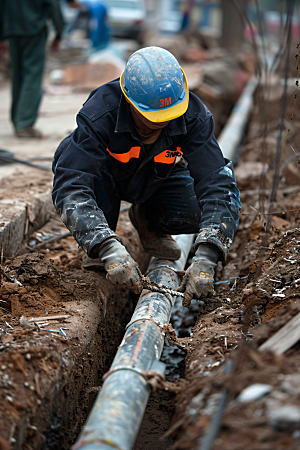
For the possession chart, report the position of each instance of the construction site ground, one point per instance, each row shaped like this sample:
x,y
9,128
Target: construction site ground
x,y
49,380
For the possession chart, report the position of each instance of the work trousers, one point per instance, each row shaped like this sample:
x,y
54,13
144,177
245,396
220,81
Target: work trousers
x,y
27,66
172,209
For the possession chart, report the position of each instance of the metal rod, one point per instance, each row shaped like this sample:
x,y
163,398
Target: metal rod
x,y
118,411
216,420
52,239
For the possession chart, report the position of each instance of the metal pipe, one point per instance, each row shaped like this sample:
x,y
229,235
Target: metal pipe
x,y
232,133
118,411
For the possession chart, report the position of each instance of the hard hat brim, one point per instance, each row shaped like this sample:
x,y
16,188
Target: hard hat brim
x,y
164,114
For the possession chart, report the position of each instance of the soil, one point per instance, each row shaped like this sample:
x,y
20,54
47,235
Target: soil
x,y
260,296
46,377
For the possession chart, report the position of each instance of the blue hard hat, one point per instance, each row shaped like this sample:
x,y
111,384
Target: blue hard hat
x,y
155,84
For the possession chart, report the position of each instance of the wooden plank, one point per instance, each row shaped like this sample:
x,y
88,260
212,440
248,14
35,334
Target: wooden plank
x,y
284,338
40,319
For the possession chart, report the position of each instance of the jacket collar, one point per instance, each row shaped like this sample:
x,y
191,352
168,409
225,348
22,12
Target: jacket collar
x,y
125,123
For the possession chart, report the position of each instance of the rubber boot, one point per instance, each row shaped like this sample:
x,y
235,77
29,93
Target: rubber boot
x,y
155,244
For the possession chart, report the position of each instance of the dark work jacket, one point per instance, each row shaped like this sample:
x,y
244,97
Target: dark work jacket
x,y
106,140
26,18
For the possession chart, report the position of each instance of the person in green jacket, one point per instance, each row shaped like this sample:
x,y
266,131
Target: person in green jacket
x,y
24,24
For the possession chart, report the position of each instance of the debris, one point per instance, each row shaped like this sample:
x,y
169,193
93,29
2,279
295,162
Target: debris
x,y
291,384
285,338
43,318
254,392
86,76
292,261
48,241
60,331
249,171
286,417
24,322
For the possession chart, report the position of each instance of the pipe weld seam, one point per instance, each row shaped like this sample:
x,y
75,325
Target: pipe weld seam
x,y
143,319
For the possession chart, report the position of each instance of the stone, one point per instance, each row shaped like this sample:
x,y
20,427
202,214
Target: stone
x,y
254,392
57,76
291,384
285,418
250,171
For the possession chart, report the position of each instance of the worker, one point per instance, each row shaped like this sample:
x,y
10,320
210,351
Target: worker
x,y
92,16
146,139
25,27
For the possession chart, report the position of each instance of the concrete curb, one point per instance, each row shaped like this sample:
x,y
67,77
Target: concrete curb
x,y
20,218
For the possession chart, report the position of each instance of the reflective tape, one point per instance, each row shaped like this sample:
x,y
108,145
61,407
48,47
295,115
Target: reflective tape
x,y
134,152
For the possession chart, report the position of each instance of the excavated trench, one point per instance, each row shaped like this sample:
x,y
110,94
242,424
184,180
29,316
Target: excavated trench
x,y
49,382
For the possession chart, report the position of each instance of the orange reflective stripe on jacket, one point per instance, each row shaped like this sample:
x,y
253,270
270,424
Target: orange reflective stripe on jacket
x,y
134,152
168,156
165,157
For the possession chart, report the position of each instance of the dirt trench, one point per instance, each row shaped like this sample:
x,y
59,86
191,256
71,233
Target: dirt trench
x,y
48,380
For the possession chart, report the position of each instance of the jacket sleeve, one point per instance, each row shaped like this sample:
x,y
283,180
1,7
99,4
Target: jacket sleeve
x,y
56,16
77,167
215,186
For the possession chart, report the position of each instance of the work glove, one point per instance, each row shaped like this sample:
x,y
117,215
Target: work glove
x,y
198,280
119,265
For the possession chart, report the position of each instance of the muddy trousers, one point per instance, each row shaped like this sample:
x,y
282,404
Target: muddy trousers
x,y
172,209
27,66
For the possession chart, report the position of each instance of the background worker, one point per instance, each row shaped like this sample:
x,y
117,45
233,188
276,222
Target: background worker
x,y
25,27
145,139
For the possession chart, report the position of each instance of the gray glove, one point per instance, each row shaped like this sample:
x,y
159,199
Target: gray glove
x,y
119,265
198,280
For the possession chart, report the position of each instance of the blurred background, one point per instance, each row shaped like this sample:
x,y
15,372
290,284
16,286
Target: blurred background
x,y
218,43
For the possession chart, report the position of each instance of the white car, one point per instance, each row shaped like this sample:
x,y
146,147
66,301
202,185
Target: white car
x,y
126,18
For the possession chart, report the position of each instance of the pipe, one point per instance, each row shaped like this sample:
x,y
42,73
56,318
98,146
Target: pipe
x,y
232,133
119,408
